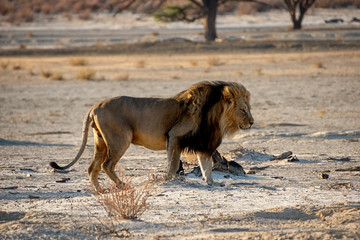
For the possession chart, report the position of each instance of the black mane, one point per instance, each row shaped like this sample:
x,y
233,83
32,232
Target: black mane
x,y
205,139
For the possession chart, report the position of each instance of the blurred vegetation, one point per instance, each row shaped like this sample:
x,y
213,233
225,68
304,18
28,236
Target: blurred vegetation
x,y
20,11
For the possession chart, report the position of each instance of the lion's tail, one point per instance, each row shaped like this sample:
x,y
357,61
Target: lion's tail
x,y
85,130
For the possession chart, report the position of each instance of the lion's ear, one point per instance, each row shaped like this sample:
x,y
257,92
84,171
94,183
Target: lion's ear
x,y
228,95
247,95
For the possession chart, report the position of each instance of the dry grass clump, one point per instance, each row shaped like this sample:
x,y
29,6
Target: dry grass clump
x,y
51,75
240,73
321,113
127,202
318,65
193,63
259,71
86,74
78,62
122,77
57,76
140,64
4,65
46,74
215,61
22,46
16,66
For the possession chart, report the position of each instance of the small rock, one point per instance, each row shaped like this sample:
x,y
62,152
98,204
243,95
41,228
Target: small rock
x,y
197,171
293,159
63,180
324,176
33,197
235,168
284,155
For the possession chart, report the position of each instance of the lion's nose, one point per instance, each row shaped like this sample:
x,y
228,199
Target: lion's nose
x,y
251,123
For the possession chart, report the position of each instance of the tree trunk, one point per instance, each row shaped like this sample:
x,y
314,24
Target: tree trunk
x,y
210,10
295,6
296,24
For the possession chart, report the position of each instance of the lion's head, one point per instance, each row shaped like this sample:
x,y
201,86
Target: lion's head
x,y
236,109
217,109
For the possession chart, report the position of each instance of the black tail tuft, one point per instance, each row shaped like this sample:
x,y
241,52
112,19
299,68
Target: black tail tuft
x,y
55,165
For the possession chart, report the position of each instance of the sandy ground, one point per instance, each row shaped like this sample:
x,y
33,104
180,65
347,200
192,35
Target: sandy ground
x,y
303,101
306,102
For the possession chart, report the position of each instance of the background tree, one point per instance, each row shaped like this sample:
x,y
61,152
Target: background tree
x,y
188,12
297,10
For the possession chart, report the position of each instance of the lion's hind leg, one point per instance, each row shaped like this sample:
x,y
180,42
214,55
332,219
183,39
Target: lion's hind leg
x,y
100,151
116,149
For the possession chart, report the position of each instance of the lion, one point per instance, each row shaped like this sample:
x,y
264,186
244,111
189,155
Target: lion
x,y
195,120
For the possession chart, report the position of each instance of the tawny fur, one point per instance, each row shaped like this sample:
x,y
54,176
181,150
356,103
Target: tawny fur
x,y
194,120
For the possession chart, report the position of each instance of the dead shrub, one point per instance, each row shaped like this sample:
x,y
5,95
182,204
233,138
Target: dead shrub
x,y
126,201
46,74
22,46
86,74
140,64
193,63
57,76
4,65
240,73
321,113
17,66
318,65
259,71
78,62
214,61
122,76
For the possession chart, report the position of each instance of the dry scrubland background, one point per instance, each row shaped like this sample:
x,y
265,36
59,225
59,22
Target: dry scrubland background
x,y
305,99
28,10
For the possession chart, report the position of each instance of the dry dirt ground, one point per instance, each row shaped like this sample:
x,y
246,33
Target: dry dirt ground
x,y
304,102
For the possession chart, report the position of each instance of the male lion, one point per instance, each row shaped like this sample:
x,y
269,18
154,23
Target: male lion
x,y
194,120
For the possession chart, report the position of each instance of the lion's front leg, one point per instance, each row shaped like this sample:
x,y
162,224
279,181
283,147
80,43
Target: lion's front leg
x,y
206,168
173,158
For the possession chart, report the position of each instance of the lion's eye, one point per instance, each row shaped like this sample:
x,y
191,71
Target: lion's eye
x,y
243,111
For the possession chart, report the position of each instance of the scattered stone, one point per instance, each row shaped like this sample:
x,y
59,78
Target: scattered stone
x,y
334,20
222,165
63,180
197,171
9,188
284,155
28,170
235,168
355,19
351,169
33,197
250,172
344,159
281,178
259,168
219,162
324,176
293,159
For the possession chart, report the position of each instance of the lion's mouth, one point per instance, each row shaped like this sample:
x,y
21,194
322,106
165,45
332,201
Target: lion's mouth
x,y
245,128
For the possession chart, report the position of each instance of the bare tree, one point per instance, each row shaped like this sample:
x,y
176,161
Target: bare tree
x,y
297,10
